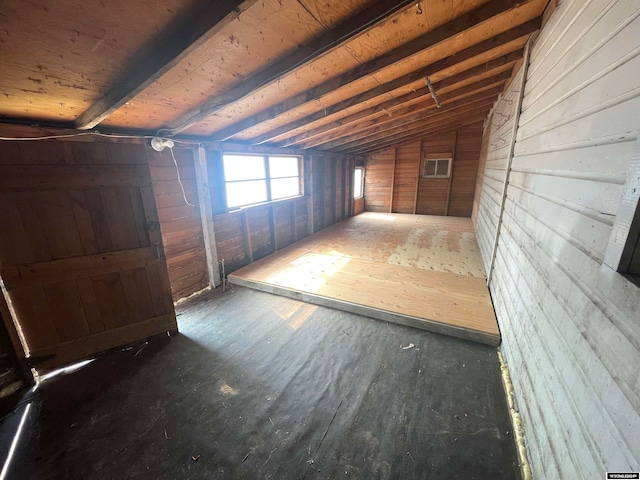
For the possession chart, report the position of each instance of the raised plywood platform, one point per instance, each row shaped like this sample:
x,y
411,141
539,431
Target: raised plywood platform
x,y
421,271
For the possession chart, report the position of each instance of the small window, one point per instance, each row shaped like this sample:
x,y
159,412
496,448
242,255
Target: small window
x,y
253,179
436,167
358,182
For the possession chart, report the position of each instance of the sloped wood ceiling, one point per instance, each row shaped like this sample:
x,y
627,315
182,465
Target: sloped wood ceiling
x,y
343,76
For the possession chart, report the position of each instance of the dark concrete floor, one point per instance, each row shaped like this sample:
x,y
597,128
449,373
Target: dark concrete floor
x,y
259,386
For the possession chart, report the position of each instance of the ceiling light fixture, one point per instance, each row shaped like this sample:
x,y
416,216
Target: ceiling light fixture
x,y
159,144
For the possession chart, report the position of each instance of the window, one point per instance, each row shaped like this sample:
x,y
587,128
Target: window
x,y
436,167
358,182
252,179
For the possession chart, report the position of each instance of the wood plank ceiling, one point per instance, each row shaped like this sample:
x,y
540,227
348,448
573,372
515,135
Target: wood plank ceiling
x,y
343,76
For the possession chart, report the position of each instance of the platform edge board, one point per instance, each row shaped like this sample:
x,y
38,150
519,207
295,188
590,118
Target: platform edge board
x,y
376,313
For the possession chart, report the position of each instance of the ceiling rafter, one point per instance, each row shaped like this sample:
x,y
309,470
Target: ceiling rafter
x,y
418,111
186,32
476,50
426,129
443,128
411,114
355,121
446,126
358,24
450,29
418,125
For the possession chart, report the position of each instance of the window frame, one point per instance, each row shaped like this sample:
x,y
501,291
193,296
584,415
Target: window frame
x,y
437,157
362,183
267,179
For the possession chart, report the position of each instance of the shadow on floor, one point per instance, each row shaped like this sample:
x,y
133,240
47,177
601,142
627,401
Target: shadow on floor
x,y
260,386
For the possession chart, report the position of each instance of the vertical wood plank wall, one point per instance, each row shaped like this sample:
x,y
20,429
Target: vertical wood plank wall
x,y
570,327
181,223
77,259
392,183
247,235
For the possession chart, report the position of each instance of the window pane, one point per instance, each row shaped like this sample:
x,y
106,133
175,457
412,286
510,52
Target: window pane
x,y
430,167
357,183
443,168
283,167
243,167
246,193
284,187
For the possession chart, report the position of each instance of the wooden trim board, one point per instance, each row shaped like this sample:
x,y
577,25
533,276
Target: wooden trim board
x,y
423,297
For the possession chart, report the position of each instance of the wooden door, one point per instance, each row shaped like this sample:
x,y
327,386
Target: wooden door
x,y
81,253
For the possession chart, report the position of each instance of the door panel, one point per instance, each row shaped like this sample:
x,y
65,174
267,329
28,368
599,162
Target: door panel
x,y
81,253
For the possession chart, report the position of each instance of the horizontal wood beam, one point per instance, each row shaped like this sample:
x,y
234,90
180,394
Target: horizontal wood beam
x,y
411,114
420,125
429,39
478,49
358,24
185,33
428,104
316,136
444,127
67,269
422,128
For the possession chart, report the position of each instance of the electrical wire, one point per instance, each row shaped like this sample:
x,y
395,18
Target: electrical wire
x,y
184,195
81,134
95,133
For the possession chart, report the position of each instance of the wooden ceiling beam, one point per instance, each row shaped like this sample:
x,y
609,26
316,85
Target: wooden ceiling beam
x,y
428,104
448,127
417,125
515,33
310,138
411,114
451,125
188,31
429,39
426,129
358,24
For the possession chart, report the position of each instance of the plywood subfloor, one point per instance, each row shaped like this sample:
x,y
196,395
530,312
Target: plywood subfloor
x,y
423,271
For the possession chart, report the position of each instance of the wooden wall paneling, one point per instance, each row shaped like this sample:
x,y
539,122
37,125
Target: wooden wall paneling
x,y
452,172
328,200
302,217
309,192
293,220
206,215
181,224
418,173
246,229
393,179
231,240
259,222
404,177
569,324
80,275
273,234
340,188
432,192
378,185
157,273
348,179
465,169
319,179
217,191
